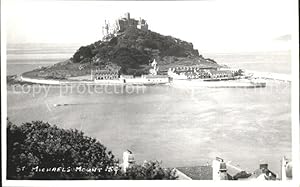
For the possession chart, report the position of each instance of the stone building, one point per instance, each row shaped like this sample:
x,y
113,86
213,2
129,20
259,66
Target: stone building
x,y
104,74
190,72
121,25
221,74
127,22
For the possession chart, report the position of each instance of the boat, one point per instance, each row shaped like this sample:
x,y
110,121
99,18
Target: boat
x,y
64,104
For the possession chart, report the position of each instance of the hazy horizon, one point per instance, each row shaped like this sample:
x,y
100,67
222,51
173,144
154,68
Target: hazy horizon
x,y
210,25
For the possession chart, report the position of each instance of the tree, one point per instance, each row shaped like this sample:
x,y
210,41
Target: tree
x,y
240,72
37,145
38,150
82,53
149,170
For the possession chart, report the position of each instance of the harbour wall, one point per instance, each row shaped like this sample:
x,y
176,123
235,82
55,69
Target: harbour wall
x,y
272,76
141,80
138,80
117,81
245,83
40,81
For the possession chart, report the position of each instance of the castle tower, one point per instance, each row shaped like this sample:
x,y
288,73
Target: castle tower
x,y
127,15
142,24
105,30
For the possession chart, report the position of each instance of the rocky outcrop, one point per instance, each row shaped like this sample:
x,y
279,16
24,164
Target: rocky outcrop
x,y
131,51
135,48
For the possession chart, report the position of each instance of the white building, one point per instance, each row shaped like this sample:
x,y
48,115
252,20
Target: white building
x,y
286,169
128,160
154,69
219,169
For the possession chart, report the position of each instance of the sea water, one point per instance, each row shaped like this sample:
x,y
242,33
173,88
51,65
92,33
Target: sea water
x,y
180,127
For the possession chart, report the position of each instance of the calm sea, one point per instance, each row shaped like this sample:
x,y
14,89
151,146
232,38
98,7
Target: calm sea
x,y
25,57
181,127
271,61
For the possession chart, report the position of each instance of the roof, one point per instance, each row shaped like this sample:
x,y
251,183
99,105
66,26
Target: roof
x,y
182,67
233,170
241,175
258,173
197,172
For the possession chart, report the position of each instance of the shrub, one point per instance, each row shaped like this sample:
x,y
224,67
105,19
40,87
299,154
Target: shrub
x,y
240,72
150,44
113,41
149,170
38,145
82,53
38,150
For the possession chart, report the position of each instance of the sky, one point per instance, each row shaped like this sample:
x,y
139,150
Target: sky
x,y
211,25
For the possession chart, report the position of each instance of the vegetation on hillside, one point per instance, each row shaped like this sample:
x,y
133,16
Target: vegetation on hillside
x,y
131,50
38,150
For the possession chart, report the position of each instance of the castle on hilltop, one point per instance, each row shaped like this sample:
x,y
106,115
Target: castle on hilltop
x,y
121,25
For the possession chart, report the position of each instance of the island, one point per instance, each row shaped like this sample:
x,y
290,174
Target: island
x,y
130,53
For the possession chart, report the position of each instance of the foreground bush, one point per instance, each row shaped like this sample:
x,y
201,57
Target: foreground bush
x,y
38,150
149,170
37,145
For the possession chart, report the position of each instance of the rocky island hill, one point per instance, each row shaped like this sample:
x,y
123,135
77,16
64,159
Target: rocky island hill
x,y
128,46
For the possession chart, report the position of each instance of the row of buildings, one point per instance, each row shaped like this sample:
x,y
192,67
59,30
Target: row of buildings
x,y
109,75
221,170
198,72
104,74
179,72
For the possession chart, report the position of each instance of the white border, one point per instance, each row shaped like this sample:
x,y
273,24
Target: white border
x,y
3,92
295,129
295,95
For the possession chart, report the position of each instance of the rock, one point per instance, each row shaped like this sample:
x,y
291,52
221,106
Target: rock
x,y
132,50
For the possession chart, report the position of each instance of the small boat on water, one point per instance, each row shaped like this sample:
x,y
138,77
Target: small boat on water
x,y
64,104
239,83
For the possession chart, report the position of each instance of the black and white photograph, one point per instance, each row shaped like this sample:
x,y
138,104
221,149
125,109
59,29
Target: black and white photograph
x,y
149,90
